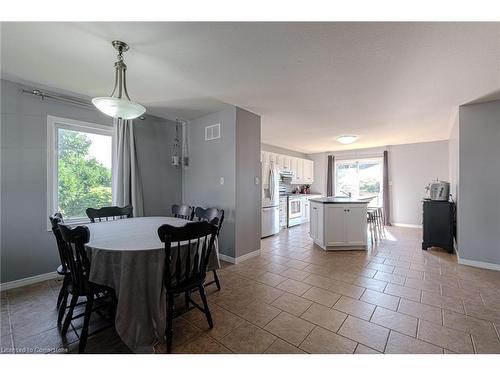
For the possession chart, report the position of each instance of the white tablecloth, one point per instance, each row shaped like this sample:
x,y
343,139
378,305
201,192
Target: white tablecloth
x,y
128,256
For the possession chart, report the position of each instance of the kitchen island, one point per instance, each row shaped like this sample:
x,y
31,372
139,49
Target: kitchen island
x,y
339,223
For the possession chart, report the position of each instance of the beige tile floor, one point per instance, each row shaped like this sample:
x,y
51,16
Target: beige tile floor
x,y
296,298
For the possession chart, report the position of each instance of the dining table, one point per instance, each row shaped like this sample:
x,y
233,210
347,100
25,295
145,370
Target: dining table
x,y
128,256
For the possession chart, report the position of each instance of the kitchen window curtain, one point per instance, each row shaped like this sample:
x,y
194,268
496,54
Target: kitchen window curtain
x,y
330,176
127,187
385,188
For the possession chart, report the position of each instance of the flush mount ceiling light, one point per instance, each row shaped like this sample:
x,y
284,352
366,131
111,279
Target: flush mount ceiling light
x,y
118,104
347,139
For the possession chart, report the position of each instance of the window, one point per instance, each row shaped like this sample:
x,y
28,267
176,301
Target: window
x,y
361,177
79,168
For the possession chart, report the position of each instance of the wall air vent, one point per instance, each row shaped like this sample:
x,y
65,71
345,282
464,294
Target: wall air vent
x,y
212,132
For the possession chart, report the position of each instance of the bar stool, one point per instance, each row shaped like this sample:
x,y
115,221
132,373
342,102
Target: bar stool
x,y
372,223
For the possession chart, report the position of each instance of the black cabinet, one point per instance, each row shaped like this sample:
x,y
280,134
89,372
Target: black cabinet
x,y
438,224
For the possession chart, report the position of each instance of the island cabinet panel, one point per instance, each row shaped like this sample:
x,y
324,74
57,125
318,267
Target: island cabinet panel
x,y
316,222
335,223
355,225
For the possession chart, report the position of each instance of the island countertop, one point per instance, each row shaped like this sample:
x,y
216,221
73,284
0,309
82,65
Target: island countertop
x,y
342,200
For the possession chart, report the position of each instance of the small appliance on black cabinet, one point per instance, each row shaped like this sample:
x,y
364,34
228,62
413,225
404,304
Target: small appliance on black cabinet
x,y
438,224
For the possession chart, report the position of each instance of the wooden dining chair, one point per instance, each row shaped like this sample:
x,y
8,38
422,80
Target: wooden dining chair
x,y
109,213
209,214
186,266
62,270
182,211
97,296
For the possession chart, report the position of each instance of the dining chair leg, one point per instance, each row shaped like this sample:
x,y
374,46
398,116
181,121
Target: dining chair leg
x,y
216,278
86,320
205,306
370,227
62,291
69,315
379,221
170,317
62,307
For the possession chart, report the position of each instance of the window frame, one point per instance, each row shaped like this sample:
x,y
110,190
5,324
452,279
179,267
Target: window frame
x,y
55,123
358,160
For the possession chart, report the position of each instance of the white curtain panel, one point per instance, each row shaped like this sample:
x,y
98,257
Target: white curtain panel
x,y
127,185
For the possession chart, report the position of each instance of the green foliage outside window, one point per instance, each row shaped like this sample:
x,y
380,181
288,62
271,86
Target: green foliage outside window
x,y
82,180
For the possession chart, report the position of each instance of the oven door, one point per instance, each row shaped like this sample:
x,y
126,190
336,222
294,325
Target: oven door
x,y
294,208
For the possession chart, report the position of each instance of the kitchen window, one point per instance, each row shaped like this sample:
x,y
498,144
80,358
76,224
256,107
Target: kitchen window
x,y
79,167
360,177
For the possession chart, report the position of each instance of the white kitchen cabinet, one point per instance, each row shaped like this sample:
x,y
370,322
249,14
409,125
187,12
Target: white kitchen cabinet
x,y
264,157
306,212
283,212
298,171
265,174
301,169
287,160
293,169
308,171
338,226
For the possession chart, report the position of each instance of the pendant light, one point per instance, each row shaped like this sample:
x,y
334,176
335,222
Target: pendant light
x,y
118,104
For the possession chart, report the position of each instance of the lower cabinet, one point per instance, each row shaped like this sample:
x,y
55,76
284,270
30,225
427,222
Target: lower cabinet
x,y
338,226
283,212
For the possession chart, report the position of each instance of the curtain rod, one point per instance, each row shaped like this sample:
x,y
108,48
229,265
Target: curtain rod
x,y
64,99
60,98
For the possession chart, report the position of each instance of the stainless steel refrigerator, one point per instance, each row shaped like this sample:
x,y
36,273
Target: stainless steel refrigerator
x,y
270,200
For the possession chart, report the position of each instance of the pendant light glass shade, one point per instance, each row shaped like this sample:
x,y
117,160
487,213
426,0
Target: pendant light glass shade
x,y
119,105
121,108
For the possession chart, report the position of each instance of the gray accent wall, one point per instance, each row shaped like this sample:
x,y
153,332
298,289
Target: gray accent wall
x,y
479,183
248,192
209,161
27,248
235,157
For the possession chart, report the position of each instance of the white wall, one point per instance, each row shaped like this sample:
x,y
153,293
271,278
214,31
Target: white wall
x,y
411,168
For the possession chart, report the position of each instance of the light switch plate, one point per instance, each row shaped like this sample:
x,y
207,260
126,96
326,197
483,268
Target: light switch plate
x,y
222,180
256,181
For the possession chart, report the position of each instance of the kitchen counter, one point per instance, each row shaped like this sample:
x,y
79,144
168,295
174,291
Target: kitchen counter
x,y
342,200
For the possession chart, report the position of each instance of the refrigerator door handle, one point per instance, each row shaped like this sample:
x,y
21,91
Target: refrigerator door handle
x,y
271,183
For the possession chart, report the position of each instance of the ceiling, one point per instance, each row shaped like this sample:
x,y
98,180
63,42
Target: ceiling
x,y
388,83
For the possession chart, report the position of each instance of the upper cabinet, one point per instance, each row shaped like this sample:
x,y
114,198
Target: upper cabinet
x,y
302,169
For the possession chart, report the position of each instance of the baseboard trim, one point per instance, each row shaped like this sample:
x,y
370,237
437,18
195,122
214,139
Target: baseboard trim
x,y
28,281
478,264
227,258
407,225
